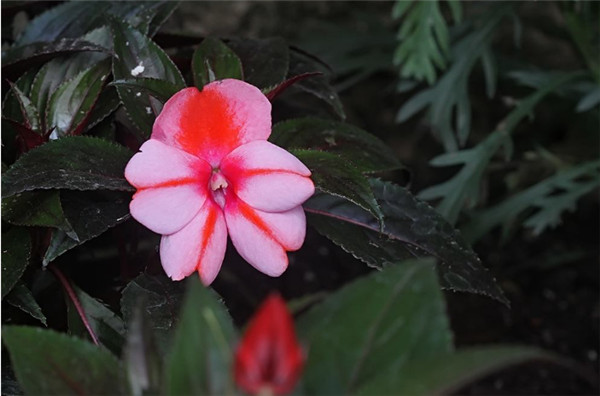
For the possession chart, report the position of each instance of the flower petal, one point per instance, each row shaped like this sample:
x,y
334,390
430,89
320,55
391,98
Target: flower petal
x,y
200,245
267,177
212,122
166,210
262,238
160,165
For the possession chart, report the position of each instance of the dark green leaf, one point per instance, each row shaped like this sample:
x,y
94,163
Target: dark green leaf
x,y
108,327
265,62
317,86
141,357
213,60
162,299
200,362
138,56
35,208
160,89
149,16
89,214
70,105
47,362
16,251
443,375
363,149
76,163
412,228
11,107
589,101
107,103
333,175
20,296
381,322
31,117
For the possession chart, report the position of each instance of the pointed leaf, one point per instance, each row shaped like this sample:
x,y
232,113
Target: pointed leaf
x,y
363,149
20,297
201,358
16,252
412,228
47,362
35,208
160,89
77,163
71,104
29,113
265,62
138,56
383,321
213,60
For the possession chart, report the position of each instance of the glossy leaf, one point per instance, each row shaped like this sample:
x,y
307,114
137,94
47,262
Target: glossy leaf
x,y
11,107
138,56
200,361
380,322
70,105
412,228
335,176
363,149
265,62
213,60
160,89
31,117
318,86
108,326
16,252
89,214
35,208
442,375
47,362
107,103
20,296
75,163
161,298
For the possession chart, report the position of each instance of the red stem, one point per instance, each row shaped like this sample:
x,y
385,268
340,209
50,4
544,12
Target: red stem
x,y
73,297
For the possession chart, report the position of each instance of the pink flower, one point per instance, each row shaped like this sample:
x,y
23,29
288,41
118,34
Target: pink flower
x,y
269,359
208,171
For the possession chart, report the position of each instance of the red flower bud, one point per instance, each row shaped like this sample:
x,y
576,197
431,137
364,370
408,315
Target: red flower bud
x,y
269,359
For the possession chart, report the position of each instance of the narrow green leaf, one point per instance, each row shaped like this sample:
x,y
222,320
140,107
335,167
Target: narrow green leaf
x,y
443,375
363,149
162,299
107,103
265,62
29,113
213,60
160,89
200,361
383,321
47,362
75,163
20,296
108,326
16,251
139,56
70,105
333,175
589,101
412,228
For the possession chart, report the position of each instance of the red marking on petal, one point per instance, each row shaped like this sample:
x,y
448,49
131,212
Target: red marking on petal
x,y
172,183
269,355
251,215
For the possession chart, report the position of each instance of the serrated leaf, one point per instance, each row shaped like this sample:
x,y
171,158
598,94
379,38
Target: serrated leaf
x,y
333,175
11,106
89,214
35,208
318,86
201,357
107,103
411,228
16,251
213,60
31,117
20,297
108,326
363,149
47,362
464,185
74,163
160,89
383,321
70,105
443,375
574,183
265,62
139,56
162,299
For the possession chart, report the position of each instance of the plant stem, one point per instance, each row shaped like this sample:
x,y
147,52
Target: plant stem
x,y
73,297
